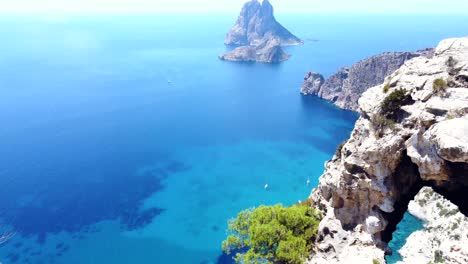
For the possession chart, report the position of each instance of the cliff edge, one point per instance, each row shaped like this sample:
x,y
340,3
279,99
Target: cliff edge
x,y
412,133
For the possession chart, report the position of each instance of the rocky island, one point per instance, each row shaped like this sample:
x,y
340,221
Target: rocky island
x,y
259,36
410,142
346,86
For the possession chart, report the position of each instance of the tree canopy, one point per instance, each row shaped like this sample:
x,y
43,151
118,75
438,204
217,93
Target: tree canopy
x,y
273,234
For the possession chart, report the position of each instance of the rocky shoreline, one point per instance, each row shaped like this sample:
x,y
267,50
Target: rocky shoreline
x,y
345,87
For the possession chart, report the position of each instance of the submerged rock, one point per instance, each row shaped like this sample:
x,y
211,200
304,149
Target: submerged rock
x,y
367,186
346,86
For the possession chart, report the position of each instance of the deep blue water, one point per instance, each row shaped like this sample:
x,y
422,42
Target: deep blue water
x,y
125,139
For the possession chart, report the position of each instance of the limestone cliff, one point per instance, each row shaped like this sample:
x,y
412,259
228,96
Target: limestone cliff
x,y
346,86
412,133
257,24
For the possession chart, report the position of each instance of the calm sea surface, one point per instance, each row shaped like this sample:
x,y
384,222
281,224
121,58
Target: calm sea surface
x,y
125,140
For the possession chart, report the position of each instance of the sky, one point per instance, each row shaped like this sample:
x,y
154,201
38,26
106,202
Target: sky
x,y
230,6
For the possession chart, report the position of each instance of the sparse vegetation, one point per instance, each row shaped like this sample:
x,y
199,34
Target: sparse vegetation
x,y
439,86
308,202
455,113
375,261
443,212
421,202
451,62
393,103
273,234
339,149
454,226
447,212
438,258
386,87
380,123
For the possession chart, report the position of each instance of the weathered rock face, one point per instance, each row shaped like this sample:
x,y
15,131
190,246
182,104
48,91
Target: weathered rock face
x,y
366,188
346,86
267,52
257,24
444,238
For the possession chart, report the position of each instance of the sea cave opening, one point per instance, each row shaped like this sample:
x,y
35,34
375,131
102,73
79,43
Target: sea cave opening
x,y
408,183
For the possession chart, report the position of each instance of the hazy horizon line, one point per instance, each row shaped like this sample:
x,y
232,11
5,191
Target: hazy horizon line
x,y
80,13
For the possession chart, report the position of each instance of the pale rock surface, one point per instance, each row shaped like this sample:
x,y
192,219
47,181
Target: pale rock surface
x,y
445,232
369,184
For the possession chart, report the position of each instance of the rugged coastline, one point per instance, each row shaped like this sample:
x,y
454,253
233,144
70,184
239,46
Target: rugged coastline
x,y
348,84
413,132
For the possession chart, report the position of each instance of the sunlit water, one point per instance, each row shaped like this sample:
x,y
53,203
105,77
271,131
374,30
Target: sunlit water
x,y
125,139
405,228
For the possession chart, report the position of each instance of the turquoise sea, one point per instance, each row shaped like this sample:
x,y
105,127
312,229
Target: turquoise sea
x,y
123,139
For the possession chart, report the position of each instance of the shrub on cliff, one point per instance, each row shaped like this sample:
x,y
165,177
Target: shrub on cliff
x,y
380,123
439,87
273,234
393,103
386,87
339,149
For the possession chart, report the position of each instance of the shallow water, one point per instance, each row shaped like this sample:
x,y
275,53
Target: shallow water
x,y
405,228
125,139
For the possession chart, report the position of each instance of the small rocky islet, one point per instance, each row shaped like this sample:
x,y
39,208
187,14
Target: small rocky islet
x,y
259,37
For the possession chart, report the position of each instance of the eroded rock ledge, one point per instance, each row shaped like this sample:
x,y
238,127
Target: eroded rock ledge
x,y
346,86
366,188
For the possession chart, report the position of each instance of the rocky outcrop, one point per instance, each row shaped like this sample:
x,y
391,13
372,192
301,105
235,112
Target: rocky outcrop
x,y
445,234
267,52
346,86
257,24
411,132
259,35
